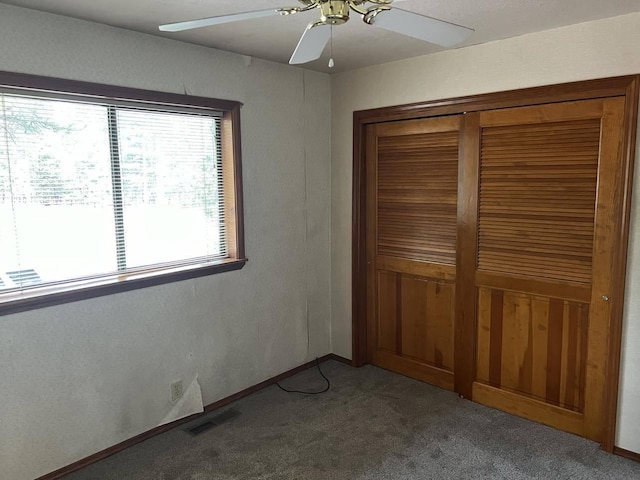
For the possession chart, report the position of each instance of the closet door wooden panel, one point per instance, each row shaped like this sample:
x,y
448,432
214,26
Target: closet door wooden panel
x,y
543,259
412,184
533,346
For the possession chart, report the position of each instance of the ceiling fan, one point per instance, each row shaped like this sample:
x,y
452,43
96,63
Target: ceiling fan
x,y
378,13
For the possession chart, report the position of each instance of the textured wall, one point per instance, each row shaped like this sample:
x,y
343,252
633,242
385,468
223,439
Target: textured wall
x,y
590,50
629,402
81,377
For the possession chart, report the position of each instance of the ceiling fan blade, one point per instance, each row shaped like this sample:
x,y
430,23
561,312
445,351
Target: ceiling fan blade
x,y
312,43
421,27
206,22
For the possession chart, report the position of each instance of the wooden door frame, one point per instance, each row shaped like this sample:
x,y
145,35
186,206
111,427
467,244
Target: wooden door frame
x,y
628,87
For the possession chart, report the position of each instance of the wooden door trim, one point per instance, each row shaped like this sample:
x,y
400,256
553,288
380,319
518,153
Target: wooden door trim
x,y
464,345
567,290
435,271
627,86
431,374
619,267
566,92
530,408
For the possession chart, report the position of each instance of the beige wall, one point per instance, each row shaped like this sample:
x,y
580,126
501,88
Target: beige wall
x,y
81,377
590,50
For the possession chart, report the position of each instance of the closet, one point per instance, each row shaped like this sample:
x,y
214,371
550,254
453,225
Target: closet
x,y
490,244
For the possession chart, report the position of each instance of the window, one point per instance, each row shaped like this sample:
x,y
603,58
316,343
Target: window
x,y
105,189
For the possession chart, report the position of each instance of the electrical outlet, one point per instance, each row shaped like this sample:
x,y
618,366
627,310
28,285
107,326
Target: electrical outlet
x,y
176,391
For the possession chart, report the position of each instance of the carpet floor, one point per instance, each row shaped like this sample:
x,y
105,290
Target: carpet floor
x,y
372,424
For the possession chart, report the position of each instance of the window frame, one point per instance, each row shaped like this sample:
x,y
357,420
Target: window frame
x,y
72,291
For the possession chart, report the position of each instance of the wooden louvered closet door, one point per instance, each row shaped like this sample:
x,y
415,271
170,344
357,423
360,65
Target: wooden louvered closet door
x,y
412,183
543,258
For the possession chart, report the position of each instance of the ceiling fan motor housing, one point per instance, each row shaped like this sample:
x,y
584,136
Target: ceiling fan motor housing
x,y
334,12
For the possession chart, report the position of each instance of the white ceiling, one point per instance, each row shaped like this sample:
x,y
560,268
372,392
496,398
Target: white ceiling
x,y
355,44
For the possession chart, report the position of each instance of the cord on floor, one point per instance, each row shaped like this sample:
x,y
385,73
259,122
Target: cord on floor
x,y
326,389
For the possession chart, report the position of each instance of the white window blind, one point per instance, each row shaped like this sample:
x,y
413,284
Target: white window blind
x,y
91,189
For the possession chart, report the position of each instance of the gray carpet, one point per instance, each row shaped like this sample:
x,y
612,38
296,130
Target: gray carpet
x,y
373,424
